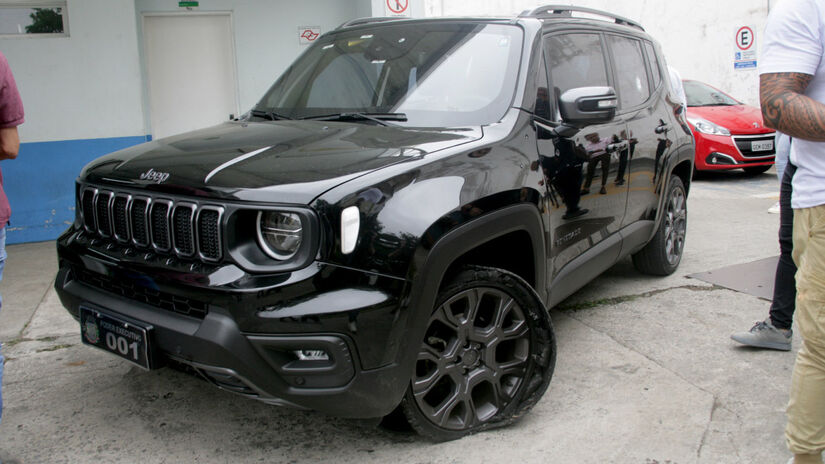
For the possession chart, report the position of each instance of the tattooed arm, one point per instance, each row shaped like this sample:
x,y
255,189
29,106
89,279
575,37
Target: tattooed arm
x,y
787,109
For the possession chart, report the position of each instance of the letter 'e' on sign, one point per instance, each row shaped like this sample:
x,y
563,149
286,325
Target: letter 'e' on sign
x,y
308,34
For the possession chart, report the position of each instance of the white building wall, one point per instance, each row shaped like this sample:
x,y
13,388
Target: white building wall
x,y
86,85
698,37
266,33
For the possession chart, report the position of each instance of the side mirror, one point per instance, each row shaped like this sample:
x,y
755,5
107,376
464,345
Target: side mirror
x,y
588,105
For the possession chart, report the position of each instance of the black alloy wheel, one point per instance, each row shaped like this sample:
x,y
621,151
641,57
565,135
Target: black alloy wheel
x,y
486,359
662,255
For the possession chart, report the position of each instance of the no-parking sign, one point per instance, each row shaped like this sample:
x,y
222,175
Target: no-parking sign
x,y
744,50
397,7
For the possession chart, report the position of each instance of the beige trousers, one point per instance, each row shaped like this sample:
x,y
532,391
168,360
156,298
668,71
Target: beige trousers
x,y
805,432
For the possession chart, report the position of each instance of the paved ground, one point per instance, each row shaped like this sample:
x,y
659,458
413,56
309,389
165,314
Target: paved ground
x,y
646,374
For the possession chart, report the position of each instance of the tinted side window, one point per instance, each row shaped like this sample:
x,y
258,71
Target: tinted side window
x,y
654,63
631,74
575,60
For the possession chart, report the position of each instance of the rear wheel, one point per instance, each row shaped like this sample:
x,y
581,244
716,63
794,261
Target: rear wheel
x,y
661,256
486,359
756,170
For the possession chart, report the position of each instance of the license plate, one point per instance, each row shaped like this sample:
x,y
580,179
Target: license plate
x,y
762,145
117,335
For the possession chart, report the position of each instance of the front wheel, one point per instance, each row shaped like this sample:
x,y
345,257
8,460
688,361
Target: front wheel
x,y
661,256
486,359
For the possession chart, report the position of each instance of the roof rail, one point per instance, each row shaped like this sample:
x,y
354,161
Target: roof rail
x,y
555,11
369,20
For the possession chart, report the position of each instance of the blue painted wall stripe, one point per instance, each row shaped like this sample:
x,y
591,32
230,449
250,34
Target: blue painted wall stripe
x,y
40,184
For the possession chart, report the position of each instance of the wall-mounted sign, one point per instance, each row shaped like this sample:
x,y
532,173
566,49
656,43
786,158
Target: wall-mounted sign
x,y
397,7
308,34
744,51
188,5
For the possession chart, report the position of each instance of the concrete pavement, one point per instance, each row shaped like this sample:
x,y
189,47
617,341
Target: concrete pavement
x,y
646,373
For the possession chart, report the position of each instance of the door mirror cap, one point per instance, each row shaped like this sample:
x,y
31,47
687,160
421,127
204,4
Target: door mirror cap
x,y
588,105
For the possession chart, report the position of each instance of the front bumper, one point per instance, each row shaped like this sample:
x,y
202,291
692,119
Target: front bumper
x,y
718,152
245,340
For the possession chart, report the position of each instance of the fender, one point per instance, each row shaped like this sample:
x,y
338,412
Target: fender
x,y
430,265
682,154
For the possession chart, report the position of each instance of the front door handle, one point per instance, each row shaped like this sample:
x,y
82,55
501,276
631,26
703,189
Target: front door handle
x,y
618,146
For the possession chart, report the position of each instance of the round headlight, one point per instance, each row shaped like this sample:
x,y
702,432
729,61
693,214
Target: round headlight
x,y
280,234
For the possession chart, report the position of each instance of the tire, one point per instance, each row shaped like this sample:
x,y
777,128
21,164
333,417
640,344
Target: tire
x,y
661,256
486,359
756,170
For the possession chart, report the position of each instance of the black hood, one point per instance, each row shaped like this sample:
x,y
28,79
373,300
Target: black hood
x,y
286,161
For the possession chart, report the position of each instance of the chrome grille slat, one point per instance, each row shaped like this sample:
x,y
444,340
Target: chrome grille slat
x,y
209,233
120,216
87,202
183,230
138,211
160,225
103,215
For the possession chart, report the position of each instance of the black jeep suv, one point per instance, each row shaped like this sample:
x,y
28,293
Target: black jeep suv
x,y
389,225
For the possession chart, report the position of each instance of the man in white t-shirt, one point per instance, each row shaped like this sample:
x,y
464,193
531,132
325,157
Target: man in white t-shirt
x,y
792,94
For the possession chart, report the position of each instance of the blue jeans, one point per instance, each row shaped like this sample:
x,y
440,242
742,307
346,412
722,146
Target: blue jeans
x,y
2,265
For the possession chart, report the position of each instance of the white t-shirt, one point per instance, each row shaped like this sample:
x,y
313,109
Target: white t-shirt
x,y
794,42
676,84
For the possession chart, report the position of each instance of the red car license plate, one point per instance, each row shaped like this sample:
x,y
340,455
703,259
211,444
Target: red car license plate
x,y
762,145
117,335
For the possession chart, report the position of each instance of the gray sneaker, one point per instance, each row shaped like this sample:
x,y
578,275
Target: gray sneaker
x,y
764,335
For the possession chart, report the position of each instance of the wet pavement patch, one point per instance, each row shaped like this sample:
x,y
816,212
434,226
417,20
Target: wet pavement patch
x,y
754,278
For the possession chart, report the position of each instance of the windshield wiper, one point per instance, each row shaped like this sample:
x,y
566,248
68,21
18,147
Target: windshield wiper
x,y
271,115
379,118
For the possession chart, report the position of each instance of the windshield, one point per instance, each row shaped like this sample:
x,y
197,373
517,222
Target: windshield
x,y
699,94
426,74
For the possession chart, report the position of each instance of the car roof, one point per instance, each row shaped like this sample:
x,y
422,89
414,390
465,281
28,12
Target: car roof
x,y
548,15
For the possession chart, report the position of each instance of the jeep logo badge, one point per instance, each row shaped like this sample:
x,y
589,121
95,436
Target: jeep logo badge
x,y
154,176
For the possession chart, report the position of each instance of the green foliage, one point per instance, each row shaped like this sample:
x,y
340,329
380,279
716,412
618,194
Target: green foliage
x,y
45,21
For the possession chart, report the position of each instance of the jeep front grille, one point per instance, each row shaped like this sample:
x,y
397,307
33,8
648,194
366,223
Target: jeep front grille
x,y
163,225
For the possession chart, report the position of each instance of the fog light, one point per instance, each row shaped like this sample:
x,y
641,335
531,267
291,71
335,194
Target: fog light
x,y
311,355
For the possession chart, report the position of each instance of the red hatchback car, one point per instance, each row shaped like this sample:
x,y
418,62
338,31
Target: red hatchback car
x,y
729,134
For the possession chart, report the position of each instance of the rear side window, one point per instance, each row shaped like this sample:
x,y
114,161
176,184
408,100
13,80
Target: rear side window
x,y
631,73
654,64
576,60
